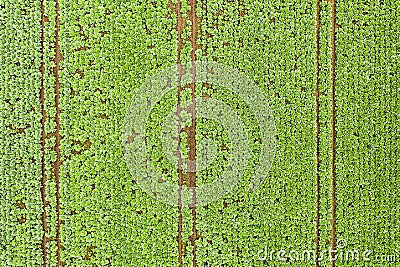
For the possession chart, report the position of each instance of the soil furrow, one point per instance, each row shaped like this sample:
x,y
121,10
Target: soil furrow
x,y
192,133
57,164
333,125
317,131
178,112
43,140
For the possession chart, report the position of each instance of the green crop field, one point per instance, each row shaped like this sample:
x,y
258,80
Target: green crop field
x,y
199,133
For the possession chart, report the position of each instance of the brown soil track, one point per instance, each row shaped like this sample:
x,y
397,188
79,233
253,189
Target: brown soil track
x,y
317,131
191,175
192,135
178,112
43,139
57,164
333,125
